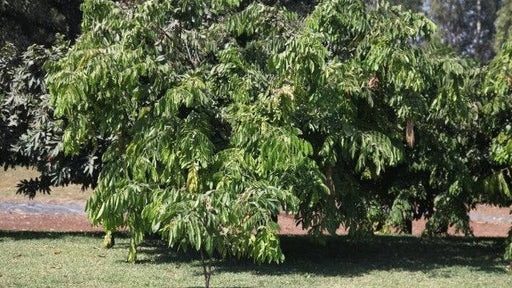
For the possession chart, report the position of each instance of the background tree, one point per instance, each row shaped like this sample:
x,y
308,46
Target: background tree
x,y
466,25
364,93
27,22
503,25
29,134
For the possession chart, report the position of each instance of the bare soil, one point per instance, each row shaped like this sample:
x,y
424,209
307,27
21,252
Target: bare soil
x,y
9,180
479,228
45,222
487,221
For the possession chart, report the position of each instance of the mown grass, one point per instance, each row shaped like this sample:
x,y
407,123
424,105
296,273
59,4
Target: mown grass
x,y
40,259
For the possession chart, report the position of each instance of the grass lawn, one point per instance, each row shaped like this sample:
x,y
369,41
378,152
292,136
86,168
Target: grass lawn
x,y
41,259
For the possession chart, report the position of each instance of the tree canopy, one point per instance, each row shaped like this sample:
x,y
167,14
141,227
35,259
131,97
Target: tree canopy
x,y
202,120
497,90
29,133
222,113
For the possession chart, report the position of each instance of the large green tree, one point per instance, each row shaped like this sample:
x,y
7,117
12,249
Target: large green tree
x,y
222,113
391,87
497,109
200,154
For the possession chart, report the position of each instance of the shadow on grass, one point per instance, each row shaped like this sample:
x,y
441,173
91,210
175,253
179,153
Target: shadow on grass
x,y
34,235
336,256
343,256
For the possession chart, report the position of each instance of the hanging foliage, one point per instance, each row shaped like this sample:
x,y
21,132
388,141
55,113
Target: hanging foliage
x,y
497,110
221,114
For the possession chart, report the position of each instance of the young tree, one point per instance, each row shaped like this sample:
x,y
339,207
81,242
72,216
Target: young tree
x,y
200,153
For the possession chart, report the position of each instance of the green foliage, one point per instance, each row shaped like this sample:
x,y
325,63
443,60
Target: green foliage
x,y
29,134
220,116
197,155
503,25
357,127
412,5
497,107
497,87
28,22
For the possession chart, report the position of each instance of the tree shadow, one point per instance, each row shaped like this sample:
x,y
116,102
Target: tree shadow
x,y
343,256
34,235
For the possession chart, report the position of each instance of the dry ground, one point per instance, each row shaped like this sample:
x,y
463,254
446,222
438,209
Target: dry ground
x,y
490,221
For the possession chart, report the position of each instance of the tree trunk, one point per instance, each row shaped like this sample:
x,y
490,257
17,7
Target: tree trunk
x,y
207,269
479,22
409,133
328,179
408,226
442,230
108,240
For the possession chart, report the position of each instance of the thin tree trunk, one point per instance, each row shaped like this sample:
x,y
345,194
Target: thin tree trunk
x,y
442,230
408,226
479,33
207,269
328,179
478,21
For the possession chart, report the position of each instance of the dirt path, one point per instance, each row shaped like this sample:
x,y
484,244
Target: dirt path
x,y
42,208
63,210
486,221
46,222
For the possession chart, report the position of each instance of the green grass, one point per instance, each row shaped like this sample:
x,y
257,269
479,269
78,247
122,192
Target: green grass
x,y
40,259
